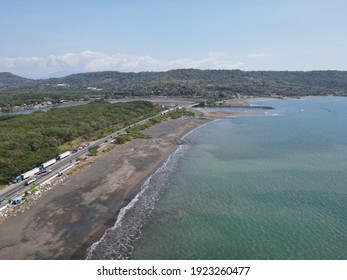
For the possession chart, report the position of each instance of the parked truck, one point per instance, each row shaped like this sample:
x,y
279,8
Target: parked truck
x,y
63,155
30,181
42,167
17,179
30,173
48,163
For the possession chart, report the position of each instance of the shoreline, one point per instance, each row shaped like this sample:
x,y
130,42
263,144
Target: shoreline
x,y
81,253
76,213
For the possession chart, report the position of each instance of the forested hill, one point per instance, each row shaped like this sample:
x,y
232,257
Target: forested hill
x,y
193,82
10,80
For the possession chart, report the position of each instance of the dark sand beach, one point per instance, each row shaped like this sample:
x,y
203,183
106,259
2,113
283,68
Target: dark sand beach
x,y
76,211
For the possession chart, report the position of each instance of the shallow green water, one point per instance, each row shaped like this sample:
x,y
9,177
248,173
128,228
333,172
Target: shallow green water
x,y
265,187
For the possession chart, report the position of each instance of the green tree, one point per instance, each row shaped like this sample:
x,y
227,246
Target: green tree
x,y
29,140
93,150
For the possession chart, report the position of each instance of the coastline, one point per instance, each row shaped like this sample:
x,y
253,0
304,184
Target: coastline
x,y
76,213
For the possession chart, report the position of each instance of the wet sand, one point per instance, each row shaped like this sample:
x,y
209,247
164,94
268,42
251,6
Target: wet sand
x,y
76,212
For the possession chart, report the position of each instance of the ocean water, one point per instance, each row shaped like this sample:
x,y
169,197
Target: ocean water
x,y
272,186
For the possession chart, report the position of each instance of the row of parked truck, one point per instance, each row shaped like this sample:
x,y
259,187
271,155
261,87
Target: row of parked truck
x,y
40,170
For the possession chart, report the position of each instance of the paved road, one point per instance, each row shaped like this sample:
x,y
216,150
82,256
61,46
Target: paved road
x,y
16,189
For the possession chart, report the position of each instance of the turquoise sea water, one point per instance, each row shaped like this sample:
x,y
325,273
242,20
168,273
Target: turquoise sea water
x,y
272,186
264,187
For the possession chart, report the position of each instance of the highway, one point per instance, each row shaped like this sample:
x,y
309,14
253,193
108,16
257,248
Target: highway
x,y
17,189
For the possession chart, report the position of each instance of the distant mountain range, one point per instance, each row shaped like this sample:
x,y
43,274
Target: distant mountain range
x,y
192,82
9,80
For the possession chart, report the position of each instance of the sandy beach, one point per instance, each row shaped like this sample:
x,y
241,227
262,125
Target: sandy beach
x,y
77,211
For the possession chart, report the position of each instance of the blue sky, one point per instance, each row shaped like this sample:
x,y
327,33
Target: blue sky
x,y
43,38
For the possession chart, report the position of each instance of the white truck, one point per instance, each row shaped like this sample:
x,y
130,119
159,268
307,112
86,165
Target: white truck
x,y
30,181
48,163
30,173
63,155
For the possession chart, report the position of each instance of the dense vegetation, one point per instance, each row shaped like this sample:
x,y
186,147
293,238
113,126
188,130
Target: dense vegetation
x,y
183,82
18,97
28,140
135,131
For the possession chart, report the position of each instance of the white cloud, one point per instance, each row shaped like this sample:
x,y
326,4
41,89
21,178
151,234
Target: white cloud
x,y
89,61
256,55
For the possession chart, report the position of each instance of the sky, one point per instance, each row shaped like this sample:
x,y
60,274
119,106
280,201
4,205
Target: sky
x,y
45,38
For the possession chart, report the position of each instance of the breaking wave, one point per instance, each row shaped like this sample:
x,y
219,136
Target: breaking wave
x,y
117,242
